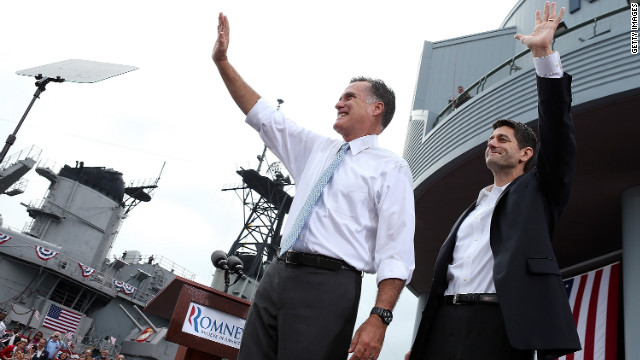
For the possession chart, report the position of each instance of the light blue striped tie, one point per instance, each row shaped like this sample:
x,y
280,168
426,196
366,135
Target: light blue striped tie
x,y
313,197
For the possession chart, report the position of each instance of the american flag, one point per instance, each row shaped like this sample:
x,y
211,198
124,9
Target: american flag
x,y
62,320
594,301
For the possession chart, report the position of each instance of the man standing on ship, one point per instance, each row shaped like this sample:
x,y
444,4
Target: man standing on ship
x,y
497,292
363,220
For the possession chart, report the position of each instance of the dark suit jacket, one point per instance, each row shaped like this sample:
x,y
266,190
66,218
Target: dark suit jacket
x,y
532,297
43,356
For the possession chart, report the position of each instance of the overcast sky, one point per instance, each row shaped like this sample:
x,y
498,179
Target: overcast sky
x,y
175,108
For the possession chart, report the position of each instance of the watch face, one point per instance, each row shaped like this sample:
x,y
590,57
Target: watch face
x,y
388,317
384,314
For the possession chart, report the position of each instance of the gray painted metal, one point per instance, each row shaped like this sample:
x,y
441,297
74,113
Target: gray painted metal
x,y
79,222
447,64
600,66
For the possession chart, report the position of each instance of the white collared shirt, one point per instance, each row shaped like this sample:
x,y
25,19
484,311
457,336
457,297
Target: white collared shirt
x,y
471,270
365,215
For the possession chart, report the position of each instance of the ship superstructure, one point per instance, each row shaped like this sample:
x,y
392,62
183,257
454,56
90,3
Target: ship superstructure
x,y
56,275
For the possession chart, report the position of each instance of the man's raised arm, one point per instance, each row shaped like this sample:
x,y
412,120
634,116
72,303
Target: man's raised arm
x,y
244,96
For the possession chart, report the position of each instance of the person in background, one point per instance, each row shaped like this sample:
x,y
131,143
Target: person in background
x,y
8,352
39,352
104,355
3,326
18,356
54,345
15,337
36,338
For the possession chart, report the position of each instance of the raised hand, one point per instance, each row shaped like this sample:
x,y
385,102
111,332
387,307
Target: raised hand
x,y
219,52
541,39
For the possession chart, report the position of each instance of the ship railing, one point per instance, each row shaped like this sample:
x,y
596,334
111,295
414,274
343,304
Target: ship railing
x,y
169,265
17,188
142,182
30,227
564,41
56,259
31,152
49,164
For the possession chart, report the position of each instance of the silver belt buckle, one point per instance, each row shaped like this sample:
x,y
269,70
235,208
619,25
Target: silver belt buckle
x,y
286,258
455,300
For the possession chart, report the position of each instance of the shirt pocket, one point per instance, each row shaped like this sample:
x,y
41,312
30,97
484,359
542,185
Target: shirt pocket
x,y
349,202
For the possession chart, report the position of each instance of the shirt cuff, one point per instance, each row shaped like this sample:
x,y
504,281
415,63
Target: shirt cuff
x,y
549,66
394,269
253,116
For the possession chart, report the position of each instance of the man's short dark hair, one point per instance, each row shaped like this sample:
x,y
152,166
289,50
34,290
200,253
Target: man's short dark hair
x,y
525,137
381,92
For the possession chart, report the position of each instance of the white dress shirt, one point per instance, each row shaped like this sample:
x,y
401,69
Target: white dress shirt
x,y
471,270
365,215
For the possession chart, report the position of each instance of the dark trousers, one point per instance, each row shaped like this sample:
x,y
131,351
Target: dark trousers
x,y
462,332
301,312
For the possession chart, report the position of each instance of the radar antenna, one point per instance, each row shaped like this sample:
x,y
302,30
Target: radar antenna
x,y
140,191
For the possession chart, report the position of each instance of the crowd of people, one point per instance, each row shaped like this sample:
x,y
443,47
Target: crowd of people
x,y
14,346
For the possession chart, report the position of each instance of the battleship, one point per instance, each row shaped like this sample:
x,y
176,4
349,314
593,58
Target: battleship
x,y
56,273
59,273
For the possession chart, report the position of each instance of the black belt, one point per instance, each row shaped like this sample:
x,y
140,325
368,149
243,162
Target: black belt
x,y
315,260
469,299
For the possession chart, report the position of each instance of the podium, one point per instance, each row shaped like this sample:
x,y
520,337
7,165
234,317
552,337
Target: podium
x,y
206,323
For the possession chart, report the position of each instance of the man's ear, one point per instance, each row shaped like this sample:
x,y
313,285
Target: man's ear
x,y
378,108
526,154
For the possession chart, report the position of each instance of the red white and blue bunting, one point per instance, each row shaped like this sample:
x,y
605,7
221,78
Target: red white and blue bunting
x,y
48,254
4,238
118,284
128,289
124,287
45,254
86,271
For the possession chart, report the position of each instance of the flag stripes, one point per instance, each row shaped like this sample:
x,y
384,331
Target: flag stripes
x,y
61,320
594,301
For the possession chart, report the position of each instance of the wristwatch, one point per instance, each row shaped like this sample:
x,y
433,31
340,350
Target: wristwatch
x,y
385,315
